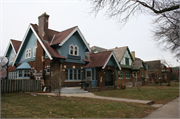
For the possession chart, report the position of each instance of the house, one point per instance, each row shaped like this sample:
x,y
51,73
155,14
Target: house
x,y
154,70
133,69
44,51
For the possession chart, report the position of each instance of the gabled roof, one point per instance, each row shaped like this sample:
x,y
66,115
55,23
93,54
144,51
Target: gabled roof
x,y
100,59
136,65
15,44
153,65
60,36
24,65
119,52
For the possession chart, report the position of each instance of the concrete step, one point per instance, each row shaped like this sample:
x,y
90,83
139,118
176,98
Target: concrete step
x,y
72,90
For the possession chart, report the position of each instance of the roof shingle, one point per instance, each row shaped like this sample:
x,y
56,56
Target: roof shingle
x,y
16,44
98,59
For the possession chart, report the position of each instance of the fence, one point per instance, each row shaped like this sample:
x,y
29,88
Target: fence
x,y
9,86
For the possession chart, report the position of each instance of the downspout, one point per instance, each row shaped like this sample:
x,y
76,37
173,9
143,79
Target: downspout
x,y
116,79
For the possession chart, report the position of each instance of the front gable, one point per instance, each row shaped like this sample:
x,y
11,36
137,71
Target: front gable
x,y
75,41
10,55
28,46
127,58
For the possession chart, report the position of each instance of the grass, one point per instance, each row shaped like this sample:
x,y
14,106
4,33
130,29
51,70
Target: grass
x,y
23,105
159,94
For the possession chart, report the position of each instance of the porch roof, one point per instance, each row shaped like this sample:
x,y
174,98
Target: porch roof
x,y
24,65
100,59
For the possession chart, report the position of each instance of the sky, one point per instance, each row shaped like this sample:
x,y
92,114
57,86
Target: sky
x,y
16,15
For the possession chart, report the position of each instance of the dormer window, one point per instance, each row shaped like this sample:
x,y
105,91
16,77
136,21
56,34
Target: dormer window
x,y
76,49
28,53
73,50
12,57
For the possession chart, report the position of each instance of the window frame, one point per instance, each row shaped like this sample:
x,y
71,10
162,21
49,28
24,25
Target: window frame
x,y
73,50
34,51
73,74
128,75
12,57
28,53
120,74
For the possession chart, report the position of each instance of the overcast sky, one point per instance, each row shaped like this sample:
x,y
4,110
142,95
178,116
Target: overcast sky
x,y
98,31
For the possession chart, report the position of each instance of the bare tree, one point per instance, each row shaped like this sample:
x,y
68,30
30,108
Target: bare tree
x,y
166,31
57,81
166,11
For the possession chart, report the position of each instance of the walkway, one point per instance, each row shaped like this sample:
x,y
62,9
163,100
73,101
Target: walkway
x,y
91,95
168,111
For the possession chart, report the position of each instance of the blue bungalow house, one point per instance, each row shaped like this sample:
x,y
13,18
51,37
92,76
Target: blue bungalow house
x,y
44,51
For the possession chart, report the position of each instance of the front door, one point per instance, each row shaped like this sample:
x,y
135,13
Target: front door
x,y
108,78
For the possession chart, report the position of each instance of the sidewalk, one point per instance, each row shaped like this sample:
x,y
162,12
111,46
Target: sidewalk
x,y
168,111
91,95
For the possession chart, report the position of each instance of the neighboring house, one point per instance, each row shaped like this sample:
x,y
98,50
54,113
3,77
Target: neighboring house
x,y
10,54
174,72
44,51
154,70
138,70
132,69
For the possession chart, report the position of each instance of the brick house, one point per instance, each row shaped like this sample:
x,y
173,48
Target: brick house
x,y
133,69
44,51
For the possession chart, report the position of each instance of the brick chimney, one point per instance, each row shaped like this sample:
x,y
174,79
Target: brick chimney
x,y
133,55
43,26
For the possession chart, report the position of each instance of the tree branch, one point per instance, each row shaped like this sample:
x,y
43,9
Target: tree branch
x,y
158,11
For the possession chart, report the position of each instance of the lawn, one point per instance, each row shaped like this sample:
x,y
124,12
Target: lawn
x,y
24,105
159,94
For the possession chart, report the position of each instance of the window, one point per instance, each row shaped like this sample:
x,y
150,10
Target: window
x,y
34,51
47,70
26,73
73,74
142,74
66,72
79,74
127,75
20,73
127,61
28,53
147,75
73,50
120,74
12,57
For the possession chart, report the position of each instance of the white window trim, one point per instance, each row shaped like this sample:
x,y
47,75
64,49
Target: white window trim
x,y
12,57
34,51
74,46
77,50
28,53
119,75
